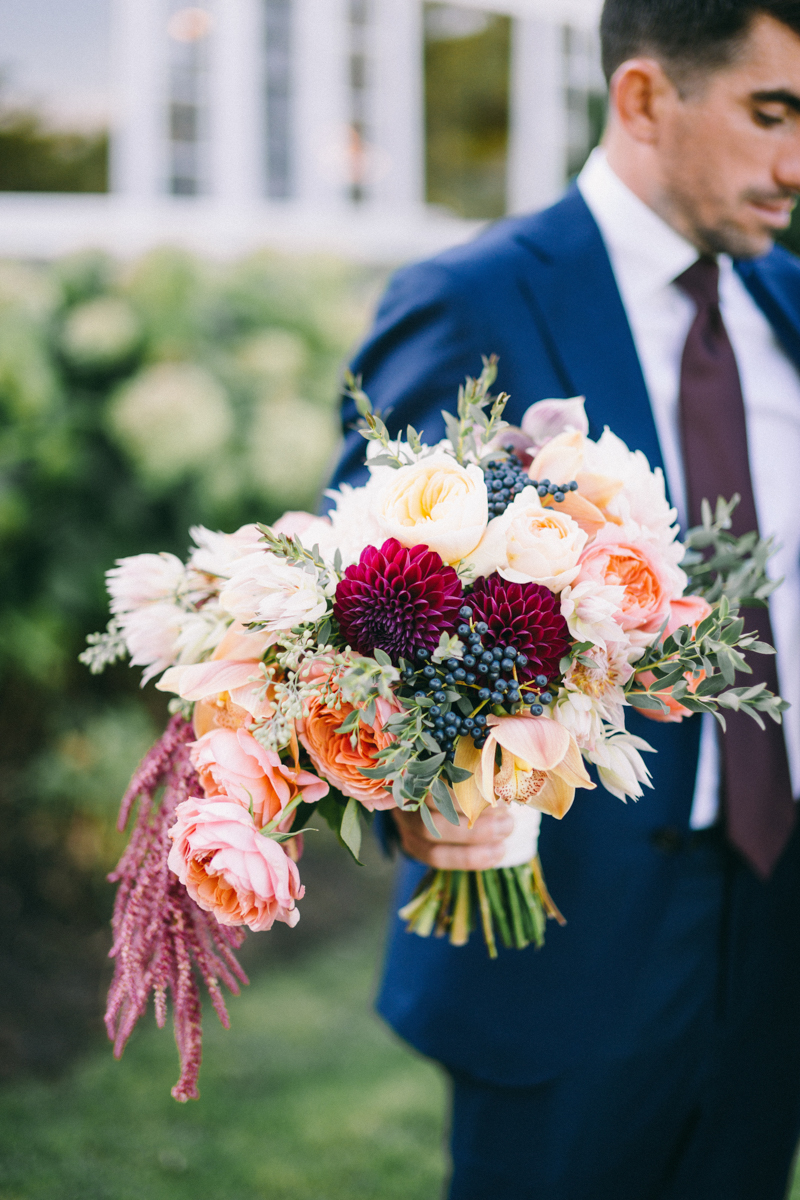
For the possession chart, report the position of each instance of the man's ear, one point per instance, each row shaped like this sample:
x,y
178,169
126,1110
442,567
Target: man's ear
x,y
638,91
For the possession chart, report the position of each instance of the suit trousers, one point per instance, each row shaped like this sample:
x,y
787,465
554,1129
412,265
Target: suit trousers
x,y
711,1115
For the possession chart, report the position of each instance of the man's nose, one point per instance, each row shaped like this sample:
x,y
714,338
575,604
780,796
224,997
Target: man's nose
x,y
787,167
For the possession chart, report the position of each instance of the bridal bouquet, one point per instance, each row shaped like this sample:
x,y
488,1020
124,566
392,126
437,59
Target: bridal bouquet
x,y
467,629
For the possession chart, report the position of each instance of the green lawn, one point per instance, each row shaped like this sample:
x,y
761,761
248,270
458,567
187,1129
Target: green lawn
x,y
307,1097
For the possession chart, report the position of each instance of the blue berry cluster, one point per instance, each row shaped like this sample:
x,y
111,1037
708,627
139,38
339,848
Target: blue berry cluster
x,y
505,478
485,680
557,490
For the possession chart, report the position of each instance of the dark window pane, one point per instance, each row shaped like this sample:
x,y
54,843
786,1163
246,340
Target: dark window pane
x,y
467,57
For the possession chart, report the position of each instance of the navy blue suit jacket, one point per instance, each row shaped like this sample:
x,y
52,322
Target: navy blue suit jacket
x,y
539,292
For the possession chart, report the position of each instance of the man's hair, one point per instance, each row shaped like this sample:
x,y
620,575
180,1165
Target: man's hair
x,y
686,36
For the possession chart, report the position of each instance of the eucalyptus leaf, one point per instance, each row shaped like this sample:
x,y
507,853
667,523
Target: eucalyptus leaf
x,y
350,831
427,817
444,801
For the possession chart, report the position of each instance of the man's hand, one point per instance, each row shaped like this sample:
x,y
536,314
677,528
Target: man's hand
x,y
459,848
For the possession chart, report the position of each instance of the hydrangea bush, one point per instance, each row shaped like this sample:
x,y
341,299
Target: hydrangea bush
x,y
135,400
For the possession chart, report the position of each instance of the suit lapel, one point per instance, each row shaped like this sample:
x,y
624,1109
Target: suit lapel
x,y
572,294
774,284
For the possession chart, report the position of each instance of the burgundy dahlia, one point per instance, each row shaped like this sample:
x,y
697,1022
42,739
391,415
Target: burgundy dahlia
x,y
525,616
398,600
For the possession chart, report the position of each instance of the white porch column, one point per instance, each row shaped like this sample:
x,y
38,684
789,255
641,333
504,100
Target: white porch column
x,y
236,95
320,111
397,94
138,121
537,144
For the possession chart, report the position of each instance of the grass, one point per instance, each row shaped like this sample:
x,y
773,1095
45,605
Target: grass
x,y
307,1097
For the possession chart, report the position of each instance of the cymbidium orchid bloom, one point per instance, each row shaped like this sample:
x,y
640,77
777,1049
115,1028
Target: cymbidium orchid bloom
x,y
541,766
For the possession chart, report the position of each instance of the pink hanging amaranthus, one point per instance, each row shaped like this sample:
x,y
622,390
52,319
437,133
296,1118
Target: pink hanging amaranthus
x,y
162,939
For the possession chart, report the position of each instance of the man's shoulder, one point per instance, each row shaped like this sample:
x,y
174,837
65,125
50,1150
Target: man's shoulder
x,y
780,266
509,244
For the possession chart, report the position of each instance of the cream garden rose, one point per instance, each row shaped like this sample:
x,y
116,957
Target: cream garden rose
x,y
436,503
531,544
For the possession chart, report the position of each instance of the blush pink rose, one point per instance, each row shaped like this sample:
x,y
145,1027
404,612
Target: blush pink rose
x,y
230,869
630,562
234,766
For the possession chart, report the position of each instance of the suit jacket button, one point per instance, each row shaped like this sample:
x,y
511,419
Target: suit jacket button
x,y
668,839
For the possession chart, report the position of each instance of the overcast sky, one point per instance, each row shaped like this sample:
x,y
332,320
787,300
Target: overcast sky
x,y
54,54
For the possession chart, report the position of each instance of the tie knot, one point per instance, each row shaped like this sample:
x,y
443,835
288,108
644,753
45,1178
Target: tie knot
x,y
701,282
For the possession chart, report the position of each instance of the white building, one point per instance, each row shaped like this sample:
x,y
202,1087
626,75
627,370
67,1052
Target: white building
x,y
300,123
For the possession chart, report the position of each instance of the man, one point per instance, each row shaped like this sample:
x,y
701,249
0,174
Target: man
x,y
651,1050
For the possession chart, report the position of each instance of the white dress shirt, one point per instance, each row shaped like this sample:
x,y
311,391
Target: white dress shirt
x,y
646,256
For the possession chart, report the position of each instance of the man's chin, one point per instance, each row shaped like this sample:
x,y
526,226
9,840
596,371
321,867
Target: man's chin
x,y
736,241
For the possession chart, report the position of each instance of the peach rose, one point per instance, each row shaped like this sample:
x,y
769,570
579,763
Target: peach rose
x,y
620,558
230,869
531,544
686,610
335,756
234,766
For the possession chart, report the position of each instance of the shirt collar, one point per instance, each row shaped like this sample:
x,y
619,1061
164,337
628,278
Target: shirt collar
x,y
645,252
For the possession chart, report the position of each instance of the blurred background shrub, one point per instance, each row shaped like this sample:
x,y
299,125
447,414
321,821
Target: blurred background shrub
x,y
135,401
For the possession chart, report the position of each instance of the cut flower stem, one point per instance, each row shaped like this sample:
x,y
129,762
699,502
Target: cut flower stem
x,y
511,904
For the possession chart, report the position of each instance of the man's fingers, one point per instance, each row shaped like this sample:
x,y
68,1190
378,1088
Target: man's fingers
x,y
444,856
493,825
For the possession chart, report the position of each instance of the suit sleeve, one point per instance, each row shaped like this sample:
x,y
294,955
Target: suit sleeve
x,y
421,347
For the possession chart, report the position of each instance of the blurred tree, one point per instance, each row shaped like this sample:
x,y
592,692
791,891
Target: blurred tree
x,y
467,57
34,158
135,402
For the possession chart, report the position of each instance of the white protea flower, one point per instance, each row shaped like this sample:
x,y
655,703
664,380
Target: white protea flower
x,y
582,716
271,592
151,634
219,554
145,579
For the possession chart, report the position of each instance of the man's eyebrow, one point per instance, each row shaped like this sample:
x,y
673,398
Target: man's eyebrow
x,y
780,96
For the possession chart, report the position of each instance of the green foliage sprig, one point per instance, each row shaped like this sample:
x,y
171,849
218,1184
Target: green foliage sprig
x,y
103,649
292,550
473,429
720,564
716,648
396,453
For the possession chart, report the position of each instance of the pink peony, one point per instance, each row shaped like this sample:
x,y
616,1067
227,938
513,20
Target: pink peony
x,y
233,766
230,869
626,558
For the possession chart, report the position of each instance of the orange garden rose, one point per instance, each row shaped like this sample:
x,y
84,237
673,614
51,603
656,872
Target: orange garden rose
x,y
340,756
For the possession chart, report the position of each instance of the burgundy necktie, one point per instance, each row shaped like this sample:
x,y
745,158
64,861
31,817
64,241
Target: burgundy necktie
x,y
757,792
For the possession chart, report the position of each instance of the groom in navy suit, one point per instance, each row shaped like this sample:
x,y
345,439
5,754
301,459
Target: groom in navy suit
x,y
651,1050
